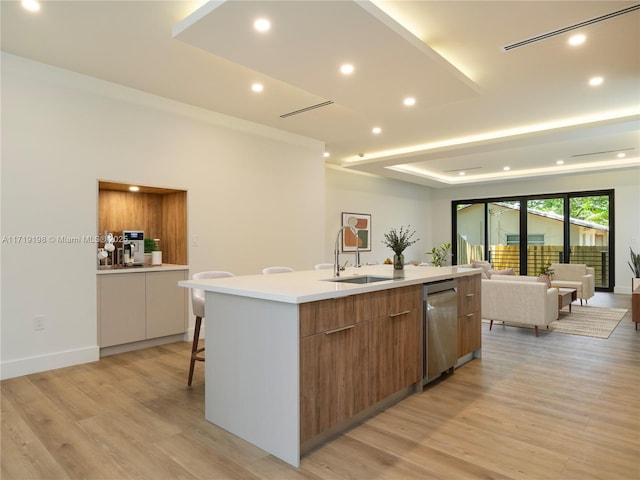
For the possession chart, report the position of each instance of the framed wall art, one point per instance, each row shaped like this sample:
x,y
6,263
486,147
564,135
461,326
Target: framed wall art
x,y
363,227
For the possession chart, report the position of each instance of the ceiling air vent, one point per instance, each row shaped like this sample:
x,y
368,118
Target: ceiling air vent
x,y
306,109
455,170
600,153
571,27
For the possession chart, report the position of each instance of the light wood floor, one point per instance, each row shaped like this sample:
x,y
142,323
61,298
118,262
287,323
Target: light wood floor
x,y
554,407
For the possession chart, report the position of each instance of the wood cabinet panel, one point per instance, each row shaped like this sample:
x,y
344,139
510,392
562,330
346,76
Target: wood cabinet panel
x,y
370,305
333,378
469,315
316,317
406,298
378,304
173,232
350,360
121,309
159,212
166,303
118,211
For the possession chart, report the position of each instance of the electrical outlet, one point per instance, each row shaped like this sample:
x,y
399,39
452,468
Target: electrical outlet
x,y
38,322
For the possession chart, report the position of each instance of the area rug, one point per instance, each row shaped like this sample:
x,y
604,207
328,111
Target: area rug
x,y
583,320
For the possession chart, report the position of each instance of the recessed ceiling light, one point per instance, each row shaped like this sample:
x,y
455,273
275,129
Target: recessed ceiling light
x,y
506,169
326,154
560,162
621,155
595,81
133,188
577,39
262,25
462,173
376,130
346,69
257,87
31,5
409,101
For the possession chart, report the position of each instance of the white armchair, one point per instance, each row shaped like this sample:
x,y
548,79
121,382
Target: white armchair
x,y
574,275
519,300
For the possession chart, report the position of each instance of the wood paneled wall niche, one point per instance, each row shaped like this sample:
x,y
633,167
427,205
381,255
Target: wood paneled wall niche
x,y
160,213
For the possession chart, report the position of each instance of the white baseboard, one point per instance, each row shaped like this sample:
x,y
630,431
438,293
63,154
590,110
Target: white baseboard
x,y
623,290
42,363
130,347
189,333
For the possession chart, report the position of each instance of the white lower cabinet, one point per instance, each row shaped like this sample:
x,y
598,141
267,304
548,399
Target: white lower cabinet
x,y
140,306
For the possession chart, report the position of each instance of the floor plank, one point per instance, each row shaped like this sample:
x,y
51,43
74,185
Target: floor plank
x,y
554,407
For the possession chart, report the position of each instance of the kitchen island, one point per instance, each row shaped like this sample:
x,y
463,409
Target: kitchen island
x,y
295,358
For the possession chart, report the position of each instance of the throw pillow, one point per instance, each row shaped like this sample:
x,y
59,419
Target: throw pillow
x,y
545,279
506,271
486,266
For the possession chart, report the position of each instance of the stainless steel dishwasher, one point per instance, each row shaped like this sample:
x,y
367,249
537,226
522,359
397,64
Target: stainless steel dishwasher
x,y
440,328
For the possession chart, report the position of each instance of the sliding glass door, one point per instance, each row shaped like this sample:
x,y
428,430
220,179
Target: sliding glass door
x,y
470,225
545,232
527,233
589,234
504,234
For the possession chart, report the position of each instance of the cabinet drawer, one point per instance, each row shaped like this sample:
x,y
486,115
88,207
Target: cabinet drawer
x,y
469,314
387,302
468,295
323,315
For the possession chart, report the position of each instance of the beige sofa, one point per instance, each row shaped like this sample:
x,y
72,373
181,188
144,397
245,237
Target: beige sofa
x,y
574,275
519,299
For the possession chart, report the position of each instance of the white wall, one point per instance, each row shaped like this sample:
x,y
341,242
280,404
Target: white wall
x,y
391,203
254,197
626,184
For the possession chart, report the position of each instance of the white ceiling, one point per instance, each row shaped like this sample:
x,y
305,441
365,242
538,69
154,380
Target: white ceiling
x,y
479,108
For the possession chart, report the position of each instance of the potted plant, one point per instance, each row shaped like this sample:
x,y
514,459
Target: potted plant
x,y
150,245
439,254
634,264
398,241
544,274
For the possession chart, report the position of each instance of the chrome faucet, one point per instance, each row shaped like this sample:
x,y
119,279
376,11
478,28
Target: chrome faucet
x,y
336,252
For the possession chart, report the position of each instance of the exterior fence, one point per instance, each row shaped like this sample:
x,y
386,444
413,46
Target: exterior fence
x,y
508,256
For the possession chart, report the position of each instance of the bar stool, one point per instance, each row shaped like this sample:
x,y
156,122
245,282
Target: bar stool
x,y
197,303
270,270
323,266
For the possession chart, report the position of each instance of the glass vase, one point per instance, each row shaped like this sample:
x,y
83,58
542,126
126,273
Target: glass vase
x,y
398,261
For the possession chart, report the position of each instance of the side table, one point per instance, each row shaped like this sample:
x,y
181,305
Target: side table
x,y
566,296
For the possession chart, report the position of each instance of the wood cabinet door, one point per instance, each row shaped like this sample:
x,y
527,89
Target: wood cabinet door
x,y
469,315
333,378
166,303
121,308
395,353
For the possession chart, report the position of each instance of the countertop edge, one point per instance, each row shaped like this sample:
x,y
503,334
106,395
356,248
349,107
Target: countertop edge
x,y
273,287
165,267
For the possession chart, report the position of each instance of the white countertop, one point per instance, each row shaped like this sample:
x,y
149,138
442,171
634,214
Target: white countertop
x,y
149,268
311,285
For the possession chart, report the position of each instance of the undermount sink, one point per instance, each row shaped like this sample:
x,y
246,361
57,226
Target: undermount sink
x,y
360,279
